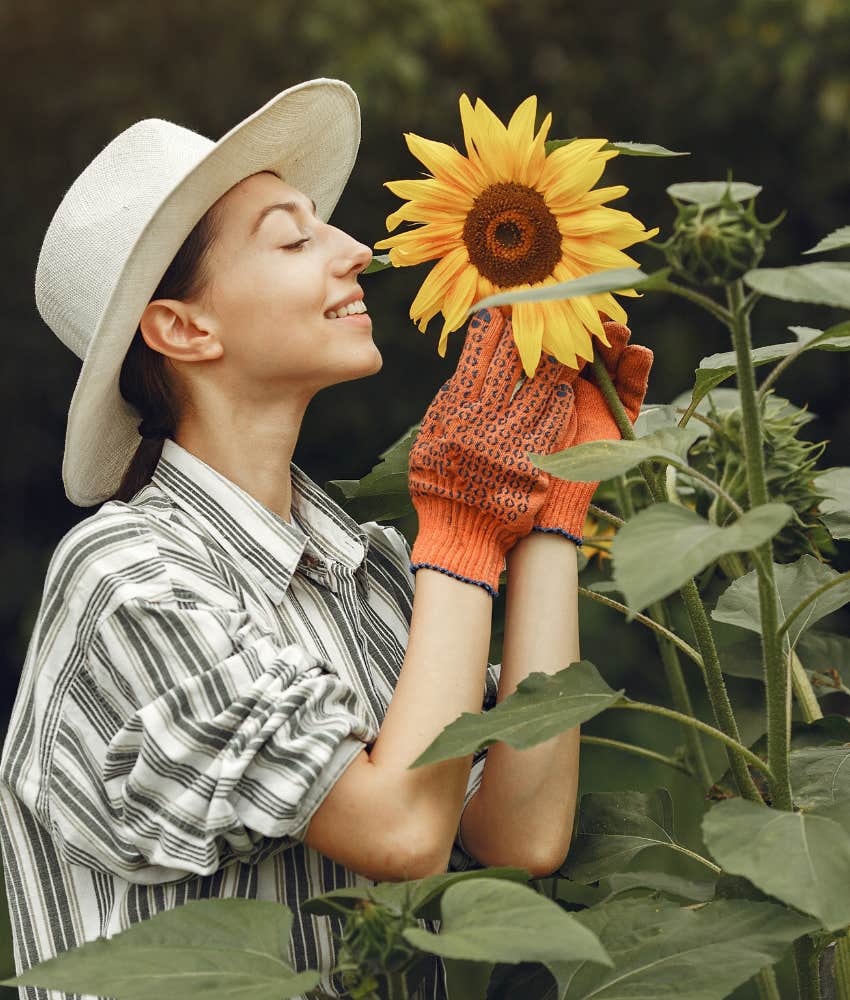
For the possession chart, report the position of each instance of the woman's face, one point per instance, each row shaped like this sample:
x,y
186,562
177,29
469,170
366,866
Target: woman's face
x,y
276,270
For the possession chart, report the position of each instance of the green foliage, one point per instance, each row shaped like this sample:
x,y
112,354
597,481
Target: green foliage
x,y
205,948
542,706
613,827
592,284
666,951
696,542
800,858
598,460
739,603
826,284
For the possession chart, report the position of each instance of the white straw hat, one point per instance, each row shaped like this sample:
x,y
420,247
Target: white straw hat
x,y
124,218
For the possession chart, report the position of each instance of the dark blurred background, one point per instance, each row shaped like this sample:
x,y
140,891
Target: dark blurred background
x,y
758,86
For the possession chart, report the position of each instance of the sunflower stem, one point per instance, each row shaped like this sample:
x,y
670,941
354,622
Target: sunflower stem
x,y
606,515
643,706
715,684
766,982
660,758
664,634
775,671
803,690
703,301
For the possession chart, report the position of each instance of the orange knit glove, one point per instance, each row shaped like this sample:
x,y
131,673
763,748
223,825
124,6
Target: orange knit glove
x,y
474,489
565,507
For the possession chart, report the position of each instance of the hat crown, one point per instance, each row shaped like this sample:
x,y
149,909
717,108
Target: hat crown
x,y
100,219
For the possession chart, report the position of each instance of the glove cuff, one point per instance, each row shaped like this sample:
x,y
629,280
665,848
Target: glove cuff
x,y
566,508
460,541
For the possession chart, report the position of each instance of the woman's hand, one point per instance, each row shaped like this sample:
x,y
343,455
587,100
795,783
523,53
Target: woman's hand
x,y
565,508
474,489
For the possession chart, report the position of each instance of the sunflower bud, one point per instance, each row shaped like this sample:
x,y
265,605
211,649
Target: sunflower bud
x,y
373,949
789,468
714,243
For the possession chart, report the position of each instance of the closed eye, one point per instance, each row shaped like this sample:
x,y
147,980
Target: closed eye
x,y
297,245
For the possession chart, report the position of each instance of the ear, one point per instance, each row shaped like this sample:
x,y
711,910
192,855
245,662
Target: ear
x,y
180,331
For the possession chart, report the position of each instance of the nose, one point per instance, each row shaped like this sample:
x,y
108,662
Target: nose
x,y
354,256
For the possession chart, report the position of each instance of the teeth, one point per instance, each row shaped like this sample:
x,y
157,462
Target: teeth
x,y
353,307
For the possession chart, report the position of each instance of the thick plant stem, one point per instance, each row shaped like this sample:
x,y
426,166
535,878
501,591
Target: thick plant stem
x,y
715,684
807,967
775,670
842,967
672,666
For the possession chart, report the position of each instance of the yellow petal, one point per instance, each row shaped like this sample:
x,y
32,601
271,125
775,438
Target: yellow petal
x,y
431,296
557,339
528,334
444,161
521,125
458,301
610,306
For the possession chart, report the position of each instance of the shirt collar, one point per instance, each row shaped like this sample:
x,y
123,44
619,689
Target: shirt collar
x,y
320,537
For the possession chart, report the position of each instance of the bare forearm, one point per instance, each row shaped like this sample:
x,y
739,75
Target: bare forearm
x,y
441,677
523,813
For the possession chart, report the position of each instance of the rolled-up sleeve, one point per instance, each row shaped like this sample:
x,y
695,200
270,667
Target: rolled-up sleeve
x,y
192,736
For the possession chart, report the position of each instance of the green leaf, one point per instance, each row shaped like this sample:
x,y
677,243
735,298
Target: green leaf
x,y
643,149
645,574
826,284
590,284
836,240
664,951
213,948
421,896
382,494
494,921
739,603
722,400
834,484
801,858
379,262
824,655
699,891
542,706
613,827
597,460
716,368
710,192
467,979
820,776
627,148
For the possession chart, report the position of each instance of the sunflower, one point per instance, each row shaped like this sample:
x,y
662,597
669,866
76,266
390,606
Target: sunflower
x,y
507,215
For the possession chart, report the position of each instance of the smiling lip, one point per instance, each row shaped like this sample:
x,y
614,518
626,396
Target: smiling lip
x,y
356,297
363,318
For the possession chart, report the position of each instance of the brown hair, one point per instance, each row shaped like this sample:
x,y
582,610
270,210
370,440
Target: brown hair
x,y
144,381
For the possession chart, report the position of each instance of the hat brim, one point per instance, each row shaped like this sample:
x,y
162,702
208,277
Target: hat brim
x,y
309,134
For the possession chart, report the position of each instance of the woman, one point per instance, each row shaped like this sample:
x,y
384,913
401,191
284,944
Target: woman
x,y
228,676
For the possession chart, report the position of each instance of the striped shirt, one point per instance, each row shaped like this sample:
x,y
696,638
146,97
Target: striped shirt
x,y
199,675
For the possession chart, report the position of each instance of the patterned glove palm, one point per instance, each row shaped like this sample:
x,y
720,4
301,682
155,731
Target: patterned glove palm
x,y
470,480
565,507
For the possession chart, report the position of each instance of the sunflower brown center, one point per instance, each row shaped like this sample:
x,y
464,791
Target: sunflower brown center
x,y
511,235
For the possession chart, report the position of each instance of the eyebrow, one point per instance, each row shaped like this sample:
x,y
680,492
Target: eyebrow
x,y
286,206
